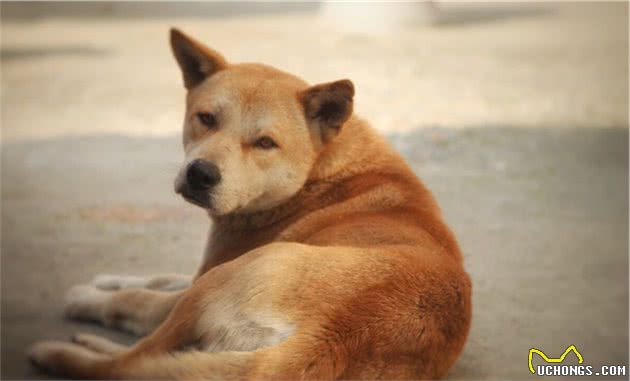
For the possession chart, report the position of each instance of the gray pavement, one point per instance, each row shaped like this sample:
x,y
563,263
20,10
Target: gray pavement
x,y
541,215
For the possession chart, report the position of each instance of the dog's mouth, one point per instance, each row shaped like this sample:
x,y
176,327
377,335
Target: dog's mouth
x,y
195,197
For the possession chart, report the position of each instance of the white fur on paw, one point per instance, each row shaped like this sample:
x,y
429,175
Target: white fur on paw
x,y
116,282
85,302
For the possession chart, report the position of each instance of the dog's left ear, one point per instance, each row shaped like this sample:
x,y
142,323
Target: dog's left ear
x,y
196,60
328,106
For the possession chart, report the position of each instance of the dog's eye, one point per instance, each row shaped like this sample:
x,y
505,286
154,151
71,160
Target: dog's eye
x,y
208,119
265,143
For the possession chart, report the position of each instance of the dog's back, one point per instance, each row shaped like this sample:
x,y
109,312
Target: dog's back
x,y
360,193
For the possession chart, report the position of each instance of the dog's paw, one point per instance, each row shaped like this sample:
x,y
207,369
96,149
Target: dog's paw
x,y
84,302
117,282
64,359
46,355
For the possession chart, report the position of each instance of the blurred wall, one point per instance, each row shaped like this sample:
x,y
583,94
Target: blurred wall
x,y
31,10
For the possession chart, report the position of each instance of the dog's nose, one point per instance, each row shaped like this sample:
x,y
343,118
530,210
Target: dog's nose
x,y
202,174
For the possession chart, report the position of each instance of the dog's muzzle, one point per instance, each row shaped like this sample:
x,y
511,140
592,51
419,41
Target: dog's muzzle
x,y
200,177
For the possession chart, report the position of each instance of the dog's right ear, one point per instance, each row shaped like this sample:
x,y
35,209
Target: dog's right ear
x,y
328,106
196,60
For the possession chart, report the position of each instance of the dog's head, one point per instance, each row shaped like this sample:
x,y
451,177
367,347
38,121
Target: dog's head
x,y
251,133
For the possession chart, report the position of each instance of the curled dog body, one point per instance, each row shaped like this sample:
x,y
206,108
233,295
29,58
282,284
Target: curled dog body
x,y
327,258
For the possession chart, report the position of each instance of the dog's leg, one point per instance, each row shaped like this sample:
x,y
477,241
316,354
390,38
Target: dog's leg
x,y
231,310
165,354
135,310
98,344
160,356
164,282
73,361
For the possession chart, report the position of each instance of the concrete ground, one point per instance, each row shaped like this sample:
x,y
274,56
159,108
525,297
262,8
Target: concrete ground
x,y
515,117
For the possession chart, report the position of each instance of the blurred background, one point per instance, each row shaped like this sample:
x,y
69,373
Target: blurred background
x,y
514,114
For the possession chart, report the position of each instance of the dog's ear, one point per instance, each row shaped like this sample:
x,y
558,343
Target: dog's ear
x,y
196,60
328,106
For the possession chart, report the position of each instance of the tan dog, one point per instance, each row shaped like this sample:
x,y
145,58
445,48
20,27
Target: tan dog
x,y
328,258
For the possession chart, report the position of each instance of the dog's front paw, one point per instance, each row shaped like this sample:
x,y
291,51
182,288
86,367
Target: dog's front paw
x,y
84,302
